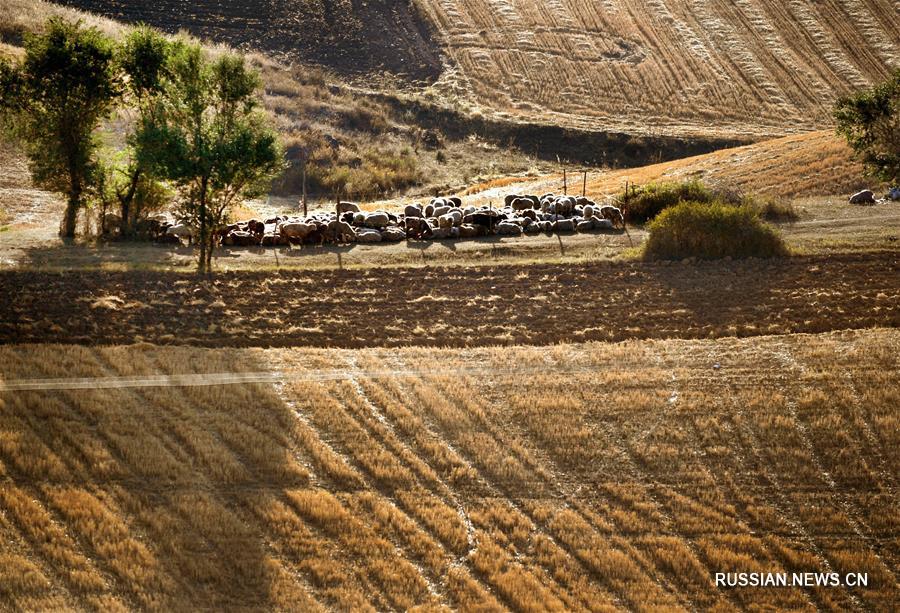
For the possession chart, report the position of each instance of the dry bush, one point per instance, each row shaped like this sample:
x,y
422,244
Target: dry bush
x,y
711,231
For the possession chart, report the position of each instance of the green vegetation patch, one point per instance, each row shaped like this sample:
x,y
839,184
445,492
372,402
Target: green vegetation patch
x,y
711,231
643,204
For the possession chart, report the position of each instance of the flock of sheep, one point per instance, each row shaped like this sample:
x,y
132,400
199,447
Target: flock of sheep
x,y
442,218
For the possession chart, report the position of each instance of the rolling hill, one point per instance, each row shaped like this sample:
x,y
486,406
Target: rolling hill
x,y
689,68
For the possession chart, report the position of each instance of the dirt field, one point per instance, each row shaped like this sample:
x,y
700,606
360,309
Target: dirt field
x,y
350,37
457,306
621,477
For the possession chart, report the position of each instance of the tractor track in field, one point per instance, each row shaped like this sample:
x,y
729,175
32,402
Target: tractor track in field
x,y
457,307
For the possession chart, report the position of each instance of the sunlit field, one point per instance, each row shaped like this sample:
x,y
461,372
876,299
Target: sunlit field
x,y
575,477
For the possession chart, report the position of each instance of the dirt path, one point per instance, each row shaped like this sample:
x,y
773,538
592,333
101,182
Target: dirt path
x,y
456,306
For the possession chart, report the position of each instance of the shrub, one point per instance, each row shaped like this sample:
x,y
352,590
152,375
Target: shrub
x,y
710,231
770,209
650,200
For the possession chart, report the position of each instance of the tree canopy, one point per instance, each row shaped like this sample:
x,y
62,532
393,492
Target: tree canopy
x,y
209,137
870,121
55,100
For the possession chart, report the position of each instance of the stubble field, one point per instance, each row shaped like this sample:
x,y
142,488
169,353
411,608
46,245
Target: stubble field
x,y
575,477
713,68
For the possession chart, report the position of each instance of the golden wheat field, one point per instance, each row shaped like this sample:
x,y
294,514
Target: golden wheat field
x,y
815,163
686,67
575,477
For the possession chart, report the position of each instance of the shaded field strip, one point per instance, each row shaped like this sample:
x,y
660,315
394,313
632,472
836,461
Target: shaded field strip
x,y
456,307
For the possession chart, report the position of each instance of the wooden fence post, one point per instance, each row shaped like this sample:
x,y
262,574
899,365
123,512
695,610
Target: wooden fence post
x,y
584,186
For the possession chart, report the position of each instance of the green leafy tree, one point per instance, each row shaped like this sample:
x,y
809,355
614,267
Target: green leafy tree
x,y
143,59
210,138
870,121
56,98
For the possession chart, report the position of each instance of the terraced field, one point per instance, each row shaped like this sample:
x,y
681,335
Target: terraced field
x,y
578,477
686,67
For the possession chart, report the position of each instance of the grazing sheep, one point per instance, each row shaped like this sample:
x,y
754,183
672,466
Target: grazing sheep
x,y
564,225
508,199
347,207
588,211
585,226
429,210
866,196
455,201
507,228
241,238
564,205
441,210
367,235
149,228
182,231
296,230
522,204
468,231
393,234
602,224
418,228
340,232
483,217
377,220
613,214
412,210
442,233
255,226
359,219
273,240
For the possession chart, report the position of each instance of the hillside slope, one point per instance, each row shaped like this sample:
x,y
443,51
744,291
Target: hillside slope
x,y
697,68
601,477
350,36
812,164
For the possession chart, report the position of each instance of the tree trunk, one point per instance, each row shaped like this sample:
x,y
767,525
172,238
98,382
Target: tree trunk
x,y
71,214
202,263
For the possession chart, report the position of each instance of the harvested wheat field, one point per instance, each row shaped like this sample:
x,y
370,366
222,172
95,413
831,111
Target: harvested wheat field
x,y
577,477
812,164
751,68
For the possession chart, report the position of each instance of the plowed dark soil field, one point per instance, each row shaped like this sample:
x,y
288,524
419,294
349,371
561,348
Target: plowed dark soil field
x,y
350,36
536,304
